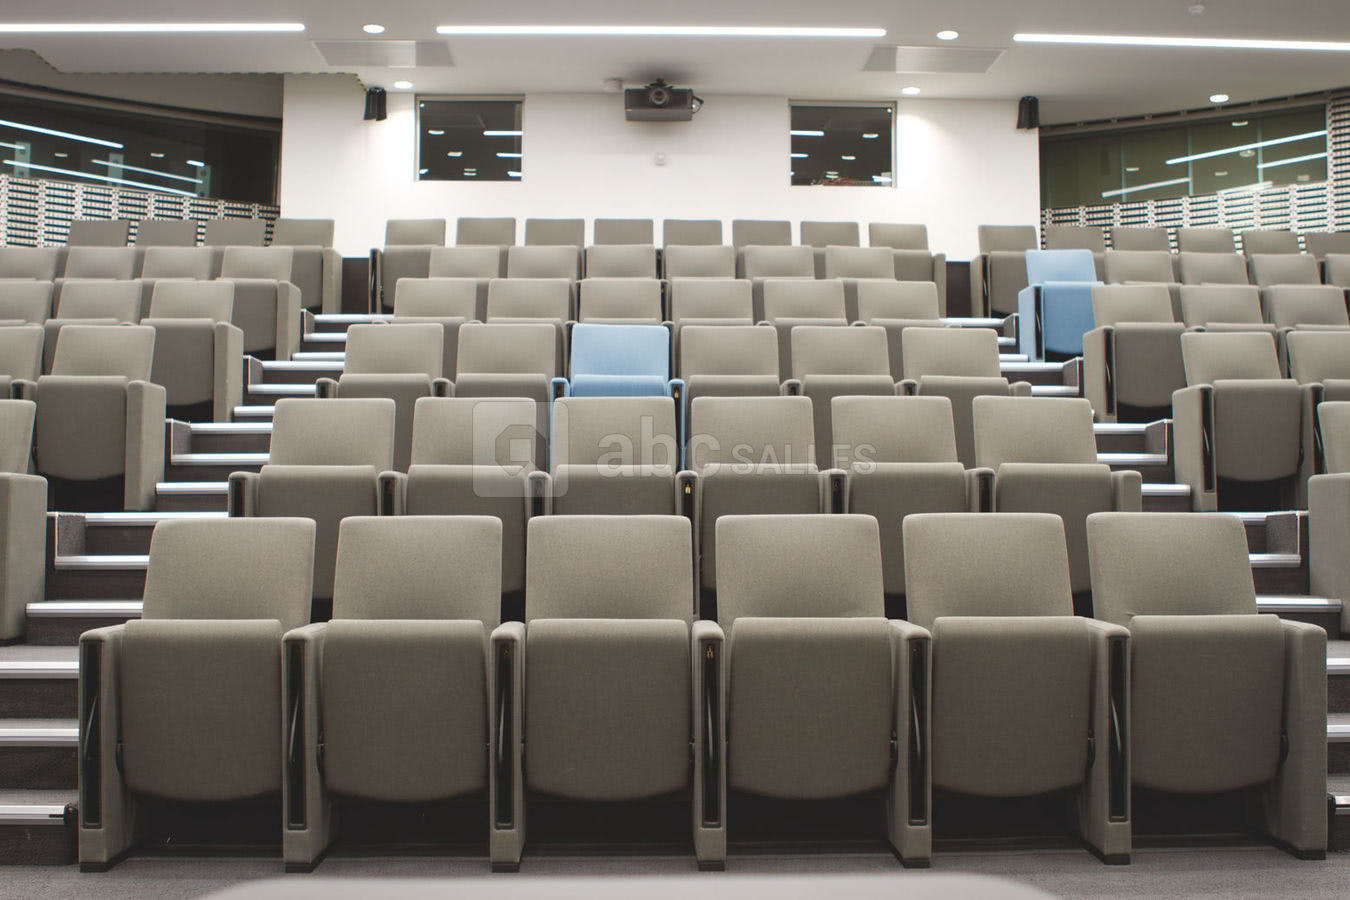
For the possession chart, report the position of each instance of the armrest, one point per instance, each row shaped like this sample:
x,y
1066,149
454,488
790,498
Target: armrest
x,y
980,489
1099,365
708,666
1328,524
392,496
1193,449
909,797
288,320
1019,389
305,806
106,822
325,388
833,491
1104,807
505,745
907,387
1127,491
539,499
559,388
23,535
442,387
979,300
228,372
1296,800
145,444
331,296
792,387
23,389
242,496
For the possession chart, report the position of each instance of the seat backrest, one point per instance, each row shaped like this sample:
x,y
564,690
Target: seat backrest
x,y
1320,243
99,233
543,261
303,232
21,351
529,298
1283,268
621,298
1075,237
779,261
710,298
508,349
244,568
1269,241
556,232
1197,565
100,298
628,260
798,565
166,233
897,237
127,351
237,232
858,262
748,432
1315,356
177,262
266,263
728,350
16,435
101,262
345,432
36,263
1212,268
620,350
482,431
829,234
439,297
1033,430
1116,303
691,232
173,299
495,232
31,301
614,431
760,232
950,351
1060,265
609,567
700,261
414,232
1140,238
1212,356
384,350
897,300
1291,305
998,238
1202,304
419,567
1021,569
827,350
1334,422
1205,240
623,231
894,429
1139,265
465,262
793,299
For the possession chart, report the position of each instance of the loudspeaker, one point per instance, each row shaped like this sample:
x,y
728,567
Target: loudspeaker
x,y
377,104
1028,113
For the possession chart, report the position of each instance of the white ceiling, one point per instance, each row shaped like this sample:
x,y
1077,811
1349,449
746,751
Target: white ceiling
x,y
1074,83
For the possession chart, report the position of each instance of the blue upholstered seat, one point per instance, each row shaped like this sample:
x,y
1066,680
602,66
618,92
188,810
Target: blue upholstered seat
x,y
1055,310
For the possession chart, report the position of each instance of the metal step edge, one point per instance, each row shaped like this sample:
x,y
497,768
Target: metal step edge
x,y
1118,428
1032,366
1275,560
144,519
129,562
1338,665
1341,804
1296,603
1005,358
35,814
64,734
80,609
218,459
303,365
33,669
971,322
325,337
262,412
1054,390
1338,728
319,355
231,427
1163,489
193,487
285,390
1133,459
350,318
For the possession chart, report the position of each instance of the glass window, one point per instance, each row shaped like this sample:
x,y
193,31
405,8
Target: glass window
x,y
42,138
469,139
842,145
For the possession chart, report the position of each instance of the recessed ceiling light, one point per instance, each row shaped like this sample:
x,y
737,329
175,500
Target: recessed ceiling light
x,y
436,131
193,162
508,155
1246,149
947,35
1218,98
1128,40
799,155
454,153
1131,168
63,134
147,27
661,31
402,85
157,155
870,136
909,91
373,29
60,155
848,158
1243,124
501,134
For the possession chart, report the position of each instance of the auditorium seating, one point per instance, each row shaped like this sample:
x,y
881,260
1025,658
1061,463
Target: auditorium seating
x,y
523,300
166,233
1268,241
1143,267
1205,240
618,301
822,235
1337,270
619,361
544,261
174,263
621,261
480,264
235,233
1268,269
1132,357
20,356
30,302
556,232
618,456
789,302
1320,362
406,254
912,257
1322,244
92,302
508,361
23,517
447,302
29,263
854,266
728,361
266,301
999,271
1212,268
316,267
1329,505
623,231
492,232
829,362
199,354
1139,238
895,306
99,233
699,261
691,232
761,263
1055,309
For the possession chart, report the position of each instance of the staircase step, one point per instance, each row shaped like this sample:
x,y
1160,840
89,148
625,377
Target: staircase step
x,y
59,623
212,466
271,390
341,321
1167,497
1338,743
255,413
38,682
1338,676
231,437
324,339
191,496
38,754
320,355
124,533
38,828
1322,611
1036,372
1055,390
295,371
1152,467
104,575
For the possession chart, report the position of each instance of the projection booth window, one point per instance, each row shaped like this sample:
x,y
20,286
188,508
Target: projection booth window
x,y
842,145
475,139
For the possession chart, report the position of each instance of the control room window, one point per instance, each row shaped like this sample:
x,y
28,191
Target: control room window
x,y
845,145
469,139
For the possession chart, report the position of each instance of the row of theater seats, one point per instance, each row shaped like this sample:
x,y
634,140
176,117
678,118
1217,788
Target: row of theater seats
x,y
167,233
613,690
1200,240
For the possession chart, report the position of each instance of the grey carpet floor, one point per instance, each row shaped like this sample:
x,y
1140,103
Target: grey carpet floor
x,y
1235,872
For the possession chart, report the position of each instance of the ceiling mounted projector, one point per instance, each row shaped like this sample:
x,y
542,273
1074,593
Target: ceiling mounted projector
x,y
659,102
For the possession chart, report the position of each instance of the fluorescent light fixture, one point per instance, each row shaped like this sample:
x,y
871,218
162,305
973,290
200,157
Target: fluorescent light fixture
x,y
948,35
748,31
1131,168
909,91
832,173
508,156
402,85
1241,147
1144,187
512,174
60,155
11,146
454,153
108,178
373,29
198,164
62,134
1291,160
1218,98
113,165
501,134
870,136
1222,173
1242,124
436,131
423,171
799,155
157,155
1259,186
1134,40
806,133
882,179
848,158
148,27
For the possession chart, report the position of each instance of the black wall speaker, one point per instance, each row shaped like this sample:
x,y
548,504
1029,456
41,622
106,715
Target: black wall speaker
x,y
377,104
1028,113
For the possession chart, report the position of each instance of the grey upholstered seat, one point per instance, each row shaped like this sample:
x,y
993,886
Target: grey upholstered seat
x,y
1140,238
709,301
760,263
20,355
1337,269
729,361
481,264
1320,362
1305,306
1044,456
1132,267
620,300
1223,307
829,362
789,302
511,360
897,236
408,245
1205,240
556,232
621,261
1283,268
807,641
166,233
82,263
623,231
401,362
911,256
617,456
1075,237
1212,268
23,516
447,302
1023,690
177,263
1132,358
1322,243
900,455
602,693
1000,270
324,464
395,688
895,306
99,233
235,232
199,355
1238,424
959,364
699,261
266,301
93,301
1197,643
1269,241
493,232
100,422
530,300
316,268
760,233
185,703
1329,501
855,266
691,232
827,234
545,261
29,263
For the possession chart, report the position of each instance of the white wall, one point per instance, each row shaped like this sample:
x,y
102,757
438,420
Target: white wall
x,y
960,163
